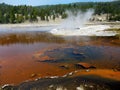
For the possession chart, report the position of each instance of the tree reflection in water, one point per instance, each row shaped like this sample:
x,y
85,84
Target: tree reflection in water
x,y
29,38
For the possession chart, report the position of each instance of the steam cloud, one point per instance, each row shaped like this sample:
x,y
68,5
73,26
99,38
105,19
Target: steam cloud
x,y
75,25
77,19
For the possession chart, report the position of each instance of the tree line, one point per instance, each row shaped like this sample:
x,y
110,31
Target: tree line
x,y
22,13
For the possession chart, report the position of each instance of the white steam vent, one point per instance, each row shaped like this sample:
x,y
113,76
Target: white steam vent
x,y
74,25
77,19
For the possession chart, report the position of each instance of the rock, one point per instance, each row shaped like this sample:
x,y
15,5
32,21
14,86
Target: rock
x,y
71,73
84,66
54,77
33,75
86,85
36,79
64,67
80,88
51,86
91,86
7,87
47,77
75,71
65,75
61,88
87,70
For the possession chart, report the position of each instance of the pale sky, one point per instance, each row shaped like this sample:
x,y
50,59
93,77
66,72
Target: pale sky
x,y
45,2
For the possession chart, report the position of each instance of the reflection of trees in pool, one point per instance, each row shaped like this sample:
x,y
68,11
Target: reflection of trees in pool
x,y
93,40
34,37
27,38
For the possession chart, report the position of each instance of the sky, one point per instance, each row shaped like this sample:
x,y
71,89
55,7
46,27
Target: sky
x,y
44,2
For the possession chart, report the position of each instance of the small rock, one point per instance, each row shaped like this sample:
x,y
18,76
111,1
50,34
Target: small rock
x,y
65,75
61,88
36,79
91,86
86,85
75,71
54,77
51,86
88,70
33,75
80,88
84,66
64,66
7,87
71,73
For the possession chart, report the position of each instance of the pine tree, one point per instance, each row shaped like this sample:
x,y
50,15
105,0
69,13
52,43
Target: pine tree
x,y
12,17
54,17
19,18
1,17
6,18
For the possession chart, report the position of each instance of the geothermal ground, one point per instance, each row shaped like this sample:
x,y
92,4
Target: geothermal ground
x,y
45,58
93,30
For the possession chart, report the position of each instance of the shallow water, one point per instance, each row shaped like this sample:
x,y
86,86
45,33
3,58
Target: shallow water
x,y
17,50
82,54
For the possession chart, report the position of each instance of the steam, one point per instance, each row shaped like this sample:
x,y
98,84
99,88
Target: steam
x,y
76,19
75,25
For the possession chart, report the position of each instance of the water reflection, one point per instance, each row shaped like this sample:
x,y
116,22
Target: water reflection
x,y
29,38
36,37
